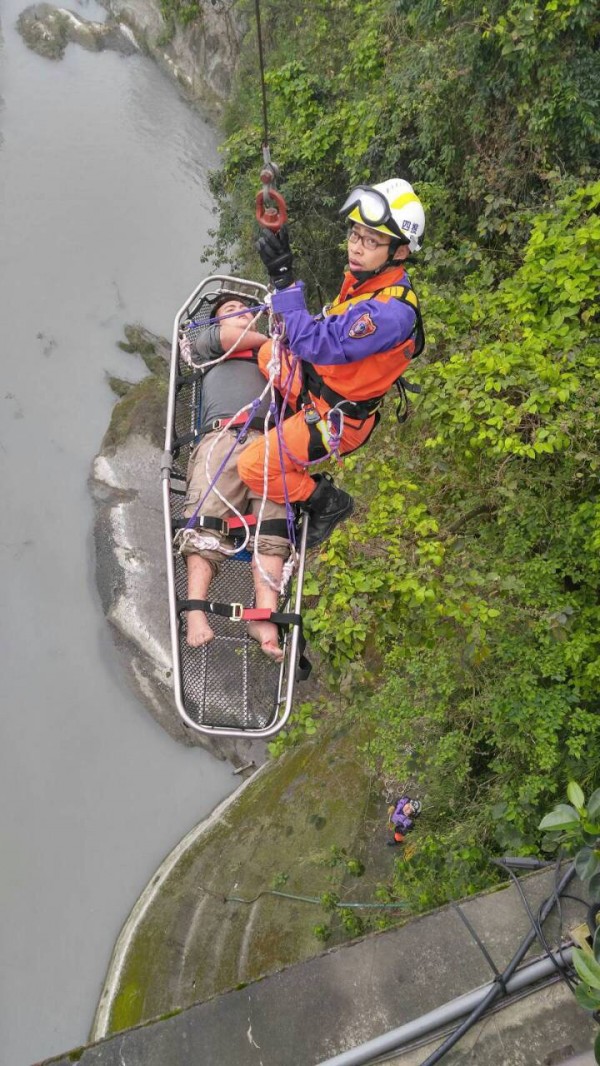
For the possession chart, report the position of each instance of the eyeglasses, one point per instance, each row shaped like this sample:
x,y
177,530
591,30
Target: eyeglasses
x,y
354,237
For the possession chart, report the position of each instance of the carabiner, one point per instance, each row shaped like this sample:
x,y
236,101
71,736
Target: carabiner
x,y
272,218
311,415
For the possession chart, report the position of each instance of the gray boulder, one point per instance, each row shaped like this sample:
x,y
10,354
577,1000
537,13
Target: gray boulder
x,y
48,30
130,545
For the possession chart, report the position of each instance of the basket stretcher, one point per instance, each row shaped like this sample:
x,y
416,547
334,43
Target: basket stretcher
x,y
228,686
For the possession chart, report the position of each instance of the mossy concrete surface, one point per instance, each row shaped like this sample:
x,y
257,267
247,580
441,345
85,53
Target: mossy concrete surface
x,y
305,1014
191,941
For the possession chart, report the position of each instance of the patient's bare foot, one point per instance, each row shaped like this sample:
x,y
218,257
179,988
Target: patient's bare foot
x,y
198,629
267,636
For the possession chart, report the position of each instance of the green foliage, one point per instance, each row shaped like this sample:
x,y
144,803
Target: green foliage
x,y
458,612
466,590
485,106
302,724
336,857
279,880
329,901
439,867
576,829
339,857
352,923
178,12
355,867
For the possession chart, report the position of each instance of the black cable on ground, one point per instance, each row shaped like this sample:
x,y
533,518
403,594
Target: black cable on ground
x,y
539,932
498,986
496,1008
578,899
567,975
477,939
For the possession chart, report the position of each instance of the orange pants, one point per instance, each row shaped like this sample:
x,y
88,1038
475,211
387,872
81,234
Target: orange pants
x,y
301,444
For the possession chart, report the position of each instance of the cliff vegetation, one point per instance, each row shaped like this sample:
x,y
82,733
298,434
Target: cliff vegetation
x,y
459,610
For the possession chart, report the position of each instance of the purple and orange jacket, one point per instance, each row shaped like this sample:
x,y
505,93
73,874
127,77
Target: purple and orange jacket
x,y
364,340
400,820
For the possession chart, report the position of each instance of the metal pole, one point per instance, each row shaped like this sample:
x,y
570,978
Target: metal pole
x,y
446,1014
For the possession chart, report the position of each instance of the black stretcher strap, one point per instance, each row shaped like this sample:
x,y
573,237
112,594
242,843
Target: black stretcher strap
x,y
274,527
235,611
194,435
201,521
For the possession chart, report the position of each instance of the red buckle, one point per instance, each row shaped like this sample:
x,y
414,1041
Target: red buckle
x,y
231,423
257,614
237,523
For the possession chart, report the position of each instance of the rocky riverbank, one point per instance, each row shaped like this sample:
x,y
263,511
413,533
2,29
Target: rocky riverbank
x,y
48,30
200,58
130,546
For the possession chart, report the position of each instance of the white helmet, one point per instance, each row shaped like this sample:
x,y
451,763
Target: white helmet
x,y
391,207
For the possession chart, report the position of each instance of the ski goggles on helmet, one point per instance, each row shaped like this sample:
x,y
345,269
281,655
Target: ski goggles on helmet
x,y
373,208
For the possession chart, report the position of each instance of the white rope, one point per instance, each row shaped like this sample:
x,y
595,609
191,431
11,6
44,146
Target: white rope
x,y
228,504
212,543
288,569
192,540
274,368
185,347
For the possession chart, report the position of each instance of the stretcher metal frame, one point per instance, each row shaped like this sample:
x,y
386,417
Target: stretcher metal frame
x,y
286,672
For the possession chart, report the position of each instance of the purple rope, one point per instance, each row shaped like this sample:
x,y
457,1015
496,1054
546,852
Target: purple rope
x,y
232,314
303,463
289,510
253,409
335,438
295,458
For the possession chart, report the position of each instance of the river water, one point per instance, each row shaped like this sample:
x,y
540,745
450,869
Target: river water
x,y
104,211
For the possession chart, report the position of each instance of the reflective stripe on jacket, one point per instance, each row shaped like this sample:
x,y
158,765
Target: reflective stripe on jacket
x,y
377,373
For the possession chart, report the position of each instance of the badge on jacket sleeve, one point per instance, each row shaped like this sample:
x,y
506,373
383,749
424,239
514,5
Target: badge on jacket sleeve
x,y
362,327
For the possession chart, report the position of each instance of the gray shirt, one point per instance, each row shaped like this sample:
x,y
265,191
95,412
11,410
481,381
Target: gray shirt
x,y
230,385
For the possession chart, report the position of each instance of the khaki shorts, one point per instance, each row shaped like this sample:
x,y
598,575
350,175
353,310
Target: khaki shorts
x,y
233,489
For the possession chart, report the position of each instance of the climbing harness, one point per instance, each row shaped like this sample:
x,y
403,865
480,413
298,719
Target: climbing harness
x,y
314,385
228,686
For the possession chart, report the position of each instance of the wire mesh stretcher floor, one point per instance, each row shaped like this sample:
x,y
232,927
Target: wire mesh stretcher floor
x,y
228,686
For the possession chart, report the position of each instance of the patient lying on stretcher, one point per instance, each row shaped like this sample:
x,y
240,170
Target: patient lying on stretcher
x,y
228,387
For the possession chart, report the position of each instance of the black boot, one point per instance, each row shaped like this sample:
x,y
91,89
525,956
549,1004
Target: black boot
x,y
326,507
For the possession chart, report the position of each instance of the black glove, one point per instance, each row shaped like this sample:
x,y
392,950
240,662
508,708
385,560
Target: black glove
x,y
275,252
